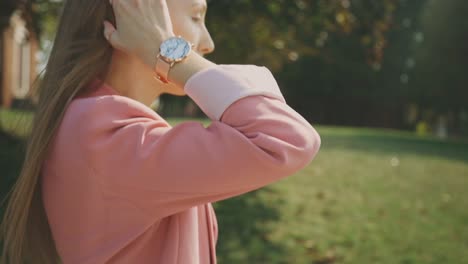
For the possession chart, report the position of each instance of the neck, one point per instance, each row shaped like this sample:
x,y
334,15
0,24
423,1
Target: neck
x,y
131,78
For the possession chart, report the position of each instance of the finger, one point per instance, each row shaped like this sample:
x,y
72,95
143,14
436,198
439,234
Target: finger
x,y
163,18
156,7
123,8
130,6
146,5
138,3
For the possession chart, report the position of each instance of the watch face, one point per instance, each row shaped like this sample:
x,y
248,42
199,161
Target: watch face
x,y
175,48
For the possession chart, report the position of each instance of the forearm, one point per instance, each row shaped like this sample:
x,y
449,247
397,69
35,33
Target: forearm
x,y
194,63
181,72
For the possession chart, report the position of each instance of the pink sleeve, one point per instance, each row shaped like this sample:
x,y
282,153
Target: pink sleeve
x,y
255,139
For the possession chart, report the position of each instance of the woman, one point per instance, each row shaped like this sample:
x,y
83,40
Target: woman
x,y
107,180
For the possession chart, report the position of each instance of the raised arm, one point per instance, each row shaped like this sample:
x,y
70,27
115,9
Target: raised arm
x,y
255,139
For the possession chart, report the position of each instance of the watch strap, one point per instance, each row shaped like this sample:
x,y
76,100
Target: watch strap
x,y
162,69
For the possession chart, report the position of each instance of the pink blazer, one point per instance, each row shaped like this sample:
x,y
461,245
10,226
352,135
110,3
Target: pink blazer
x,y
121,185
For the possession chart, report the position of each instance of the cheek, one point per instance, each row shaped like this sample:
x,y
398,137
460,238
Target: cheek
x,y
186,28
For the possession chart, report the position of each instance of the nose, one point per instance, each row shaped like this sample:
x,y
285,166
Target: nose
x,y
206,44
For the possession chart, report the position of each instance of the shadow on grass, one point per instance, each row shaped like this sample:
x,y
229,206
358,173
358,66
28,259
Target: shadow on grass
x,y
245,223
396,144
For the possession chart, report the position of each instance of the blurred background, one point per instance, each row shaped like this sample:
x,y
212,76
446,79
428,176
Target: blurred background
x,y
385,84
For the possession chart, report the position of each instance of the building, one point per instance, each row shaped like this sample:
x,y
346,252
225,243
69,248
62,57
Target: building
x,y
18,48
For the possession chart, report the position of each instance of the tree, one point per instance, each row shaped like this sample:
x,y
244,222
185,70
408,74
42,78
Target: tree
x,y
439,79
6,9
440,74
325,54
329,56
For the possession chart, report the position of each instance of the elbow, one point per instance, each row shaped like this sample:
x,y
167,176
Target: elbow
x,y
307,146
311,143
297,151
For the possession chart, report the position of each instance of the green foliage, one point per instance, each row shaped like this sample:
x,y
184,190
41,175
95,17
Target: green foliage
x,y
347,62
45,15
440,73
276,33
328,56
15,122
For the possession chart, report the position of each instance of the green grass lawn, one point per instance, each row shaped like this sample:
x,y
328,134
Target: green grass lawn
x,y
370,196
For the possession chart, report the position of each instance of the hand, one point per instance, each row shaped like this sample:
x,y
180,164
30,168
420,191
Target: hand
x,y
141,26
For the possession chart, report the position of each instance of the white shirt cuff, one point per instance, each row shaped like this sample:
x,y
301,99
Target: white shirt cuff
x,y
216,88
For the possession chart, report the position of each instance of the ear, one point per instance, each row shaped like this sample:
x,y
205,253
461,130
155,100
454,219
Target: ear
x,y
111,34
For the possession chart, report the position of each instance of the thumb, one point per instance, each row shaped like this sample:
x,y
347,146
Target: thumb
x,y
111,34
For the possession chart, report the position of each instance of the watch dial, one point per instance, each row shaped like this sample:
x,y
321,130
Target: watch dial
x,y
175,48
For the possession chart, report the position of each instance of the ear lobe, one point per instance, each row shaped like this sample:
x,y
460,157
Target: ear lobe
x,y
108,30
111,34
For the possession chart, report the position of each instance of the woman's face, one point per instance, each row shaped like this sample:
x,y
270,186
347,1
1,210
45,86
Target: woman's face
x,y
188,20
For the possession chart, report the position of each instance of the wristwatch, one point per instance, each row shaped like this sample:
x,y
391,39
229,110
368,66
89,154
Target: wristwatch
x,y
171,51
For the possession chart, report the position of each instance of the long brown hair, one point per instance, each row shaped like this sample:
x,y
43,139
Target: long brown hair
x,y
79,55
